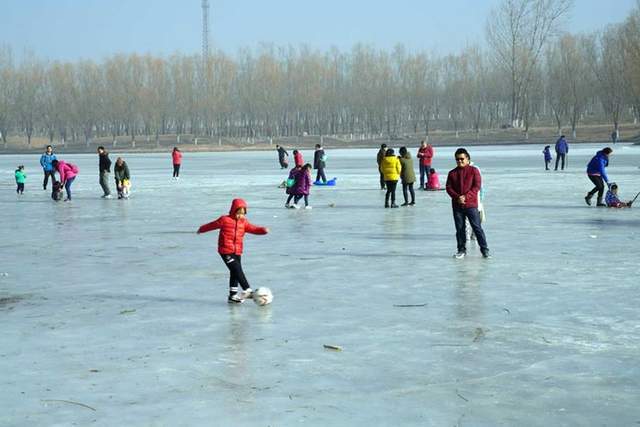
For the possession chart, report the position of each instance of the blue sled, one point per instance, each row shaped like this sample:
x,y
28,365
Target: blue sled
x,y
329,183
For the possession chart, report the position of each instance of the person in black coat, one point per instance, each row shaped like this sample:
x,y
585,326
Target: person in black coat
x,y
319,163
104,166
282,157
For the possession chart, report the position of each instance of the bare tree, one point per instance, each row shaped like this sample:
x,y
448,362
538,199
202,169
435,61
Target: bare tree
x,y
518,31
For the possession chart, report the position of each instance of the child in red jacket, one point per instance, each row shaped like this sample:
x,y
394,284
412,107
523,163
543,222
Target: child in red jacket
x,y
232,229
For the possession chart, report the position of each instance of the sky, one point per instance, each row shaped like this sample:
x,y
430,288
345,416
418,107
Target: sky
x,y
94,29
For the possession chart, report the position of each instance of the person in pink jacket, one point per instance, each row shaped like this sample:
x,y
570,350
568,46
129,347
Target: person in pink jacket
x,y
67,173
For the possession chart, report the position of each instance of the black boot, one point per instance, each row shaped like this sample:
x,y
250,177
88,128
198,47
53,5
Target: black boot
x,y
588,199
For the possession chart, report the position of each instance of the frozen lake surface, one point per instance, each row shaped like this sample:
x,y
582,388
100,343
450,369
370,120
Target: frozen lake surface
x,y
120,306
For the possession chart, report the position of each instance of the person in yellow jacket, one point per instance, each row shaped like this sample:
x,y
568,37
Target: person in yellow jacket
x,y
390,168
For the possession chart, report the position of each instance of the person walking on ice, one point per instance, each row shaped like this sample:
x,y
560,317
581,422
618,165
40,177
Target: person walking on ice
x,y
302,187
20,179
46,161
425,157
547,157
463,185
104,169
123,178
319,163
562,149
230,244
596,171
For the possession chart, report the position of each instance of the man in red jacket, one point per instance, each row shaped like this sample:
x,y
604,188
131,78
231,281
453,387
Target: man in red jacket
x,y
463,184
425,156
230,244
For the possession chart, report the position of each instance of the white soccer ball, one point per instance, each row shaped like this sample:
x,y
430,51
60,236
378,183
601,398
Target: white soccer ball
x,y
262,296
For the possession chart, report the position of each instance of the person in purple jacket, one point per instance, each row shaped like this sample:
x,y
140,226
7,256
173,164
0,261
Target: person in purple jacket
x,y
302,187
596,171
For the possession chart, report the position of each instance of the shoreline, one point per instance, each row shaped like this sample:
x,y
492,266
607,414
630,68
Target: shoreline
x,y
212,148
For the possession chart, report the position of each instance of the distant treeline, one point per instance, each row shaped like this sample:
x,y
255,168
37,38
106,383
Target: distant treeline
x,y
532,73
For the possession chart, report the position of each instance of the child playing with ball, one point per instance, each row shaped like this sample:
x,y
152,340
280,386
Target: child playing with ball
x,y
230,241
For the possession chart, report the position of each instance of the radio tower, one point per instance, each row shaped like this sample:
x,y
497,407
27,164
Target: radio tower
x,y
205,31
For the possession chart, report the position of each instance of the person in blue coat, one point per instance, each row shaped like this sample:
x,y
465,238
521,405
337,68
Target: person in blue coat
x,y
562,149
46,161
547,156
596,171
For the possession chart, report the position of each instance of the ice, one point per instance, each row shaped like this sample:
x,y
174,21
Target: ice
x,y
120,306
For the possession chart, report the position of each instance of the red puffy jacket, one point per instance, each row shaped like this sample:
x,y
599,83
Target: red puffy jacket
x,y
465,181
176,157
232,230
297,158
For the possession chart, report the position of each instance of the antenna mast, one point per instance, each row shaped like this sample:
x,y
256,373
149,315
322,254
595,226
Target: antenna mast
x,y
205,31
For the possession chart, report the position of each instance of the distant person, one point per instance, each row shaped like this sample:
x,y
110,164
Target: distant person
x,y
283,157
176,158
547,156
21,177
425,156
319,163
122,177
562,149
298,160
596,171
68,173
302,187
380,157
230,244
391,169
463,185
614,136
104,169
612,199
46,161
434,181
407,176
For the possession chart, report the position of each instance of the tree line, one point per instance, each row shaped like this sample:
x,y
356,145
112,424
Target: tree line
x,y
530,73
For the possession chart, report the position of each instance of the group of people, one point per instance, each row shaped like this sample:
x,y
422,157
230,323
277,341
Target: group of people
x,y
393,169
67,173
561,149
319,161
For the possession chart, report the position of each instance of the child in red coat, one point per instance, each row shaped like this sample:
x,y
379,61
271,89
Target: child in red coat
x,y
232,229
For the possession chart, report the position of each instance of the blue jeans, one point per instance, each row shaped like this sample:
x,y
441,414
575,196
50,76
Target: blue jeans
x,y
67,186
459,215
424,170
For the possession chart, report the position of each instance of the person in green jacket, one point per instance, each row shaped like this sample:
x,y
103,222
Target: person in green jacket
x,y
20,179
408,176
121,174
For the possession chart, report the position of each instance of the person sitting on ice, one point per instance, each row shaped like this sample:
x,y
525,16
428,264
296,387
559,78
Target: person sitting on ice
x,y
612,198
433,184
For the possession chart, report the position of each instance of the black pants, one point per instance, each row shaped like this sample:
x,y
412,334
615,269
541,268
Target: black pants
x,y
391,192
546,164
236,276
297,198
558,157
382,182
20,188
320,175
408,187
599,187
459,216
291,196
283,163
48,174
176,171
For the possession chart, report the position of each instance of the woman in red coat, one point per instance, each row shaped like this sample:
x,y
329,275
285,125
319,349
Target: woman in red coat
x,y
232,229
